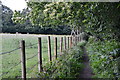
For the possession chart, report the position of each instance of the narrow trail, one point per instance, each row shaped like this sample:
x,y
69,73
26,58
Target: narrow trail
x,y
87,71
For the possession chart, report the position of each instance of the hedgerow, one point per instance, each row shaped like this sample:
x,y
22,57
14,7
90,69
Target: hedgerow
x,y
67,65
104,58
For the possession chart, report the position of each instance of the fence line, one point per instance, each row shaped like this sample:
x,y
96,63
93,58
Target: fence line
x,y
16,49
20,61
65,43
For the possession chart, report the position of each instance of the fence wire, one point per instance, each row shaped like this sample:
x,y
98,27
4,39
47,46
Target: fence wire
x,y
32,57
10,69
29,69
28,46
10,51
4,73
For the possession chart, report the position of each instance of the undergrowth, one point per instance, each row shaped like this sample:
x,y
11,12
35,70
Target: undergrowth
x,y
104,58
67,65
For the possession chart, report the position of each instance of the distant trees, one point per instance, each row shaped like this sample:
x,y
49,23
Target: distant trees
x,y
8,26
101,20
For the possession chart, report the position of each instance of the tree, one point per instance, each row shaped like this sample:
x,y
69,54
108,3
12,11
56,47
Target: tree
x,y
98,19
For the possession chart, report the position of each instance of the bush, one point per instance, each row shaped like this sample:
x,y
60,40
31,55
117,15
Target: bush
x,y
104,57
68,65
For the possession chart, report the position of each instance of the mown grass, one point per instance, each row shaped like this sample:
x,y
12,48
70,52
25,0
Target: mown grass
x,y
10,42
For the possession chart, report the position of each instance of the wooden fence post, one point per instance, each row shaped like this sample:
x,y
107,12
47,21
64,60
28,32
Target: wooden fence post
x,y
61,44
49,49
71,42
39,55
68,43
75,40
64,43
78,38
23,60
55,47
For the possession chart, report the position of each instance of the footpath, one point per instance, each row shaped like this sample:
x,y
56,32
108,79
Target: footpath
x,y
87,71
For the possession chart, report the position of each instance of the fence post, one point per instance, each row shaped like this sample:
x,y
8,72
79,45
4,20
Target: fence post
x,y
49,49
61,44
65,43
23,60
68,43
55,47
71,42
78,38
75,40
39,54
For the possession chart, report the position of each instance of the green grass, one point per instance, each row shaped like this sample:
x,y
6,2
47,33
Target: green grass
x,y
10,42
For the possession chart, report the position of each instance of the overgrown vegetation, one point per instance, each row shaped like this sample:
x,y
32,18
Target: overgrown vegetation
x,y
100,20
104,58
68,65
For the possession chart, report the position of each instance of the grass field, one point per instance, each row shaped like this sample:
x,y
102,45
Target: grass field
x,y
12,41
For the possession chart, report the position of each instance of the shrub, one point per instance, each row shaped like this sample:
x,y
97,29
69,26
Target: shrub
x,y
68,65
104,57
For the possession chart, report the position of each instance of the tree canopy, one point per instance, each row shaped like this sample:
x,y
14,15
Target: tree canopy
x,y
99,19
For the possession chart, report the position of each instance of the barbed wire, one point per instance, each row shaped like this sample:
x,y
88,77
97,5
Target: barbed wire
x,y
10,69
32,67
10,51
17,49
35,55
31,57
30,45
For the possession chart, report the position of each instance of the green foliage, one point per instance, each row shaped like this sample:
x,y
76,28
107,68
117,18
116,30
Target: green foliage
x,y
104,20
100,19
103,58
23,25
68,65
82,43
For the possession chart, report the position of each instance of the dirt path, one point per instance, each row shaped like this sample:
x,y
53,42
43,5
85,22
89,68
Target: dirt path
x,y
87,71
